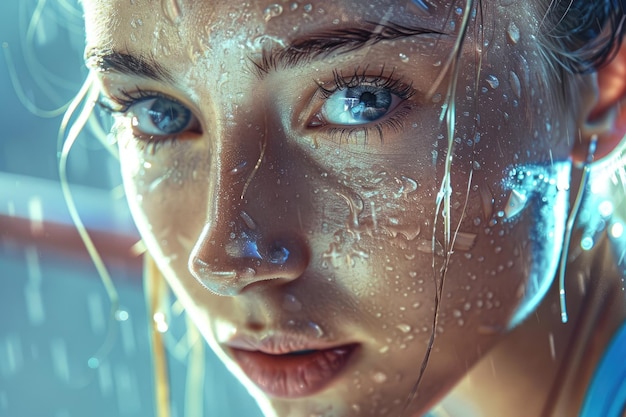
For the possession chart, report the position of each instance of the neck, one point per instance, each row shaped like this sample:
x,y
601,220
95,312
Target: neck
x,y
543,367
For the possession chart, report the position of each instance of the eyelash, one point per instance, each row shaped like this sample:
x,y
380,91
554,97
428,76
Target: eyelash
x,y
359,77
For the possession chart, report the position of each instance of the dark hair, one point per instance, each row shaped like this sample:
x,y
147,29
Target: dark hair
x,y
583,35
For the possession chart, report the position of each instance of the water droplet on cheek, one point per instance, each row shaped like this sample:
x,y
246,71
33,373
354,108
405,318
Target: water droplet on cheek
x,y
486,198
493,81
379,377
272,11
171,10
291,303
515,84
404,328
513,33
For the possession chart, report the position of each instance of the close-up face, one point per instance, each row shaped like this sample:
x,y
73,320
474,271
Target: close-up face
x,y
329,186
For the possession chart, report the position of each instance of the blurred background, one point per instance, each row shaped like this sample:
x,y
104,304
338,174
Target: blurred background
x,y
62,352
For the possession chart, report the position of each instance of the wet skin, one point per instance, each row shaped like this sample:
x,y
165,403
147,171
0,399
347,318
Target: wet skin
x,y
275,221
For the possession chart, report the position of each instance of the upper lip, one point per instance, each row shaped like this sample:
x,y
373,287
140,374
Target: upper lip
x,y
280,343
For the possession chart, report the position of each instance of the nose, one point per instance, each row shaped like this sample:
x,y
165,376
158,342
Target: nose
x,y
252,238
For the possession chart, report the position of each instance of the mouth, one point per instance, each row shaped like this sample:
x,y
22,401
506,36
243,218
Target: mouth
x,y
296,373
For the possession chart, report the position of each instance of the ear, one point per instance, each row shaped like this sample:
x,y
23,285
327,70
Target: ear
x,y
604,111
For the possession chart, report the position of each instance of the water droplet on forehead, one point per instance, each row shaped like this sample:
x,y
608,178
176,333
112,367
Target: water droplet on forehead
x,y
272,11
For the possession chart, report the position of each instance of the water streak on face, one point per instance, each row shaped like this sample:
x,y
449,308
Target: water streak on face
x,y
289,196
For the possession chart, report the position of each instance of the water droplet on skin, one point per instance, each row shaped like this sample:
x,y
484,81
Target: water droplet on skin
x,y
404,328
515,204
238,169
493,81
171,10
316,329
384,349
379,377
587,243
435,155
247,220
421,5
487,200
403,57
307,8
513,33
291,303
355,206
272,11
515,84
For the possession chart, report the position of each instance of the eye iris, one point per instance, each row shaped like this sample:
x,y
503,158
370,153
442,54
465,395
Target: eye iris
x,y
368,103
169,116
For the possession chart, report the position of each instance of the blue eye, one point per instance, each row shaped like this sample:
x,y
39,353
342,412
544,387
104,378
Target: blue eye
x,y
160,116
358,105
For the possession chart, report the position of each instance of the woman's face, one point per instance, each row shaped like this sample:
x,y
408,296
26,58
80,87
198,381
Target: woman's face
x,y
290,170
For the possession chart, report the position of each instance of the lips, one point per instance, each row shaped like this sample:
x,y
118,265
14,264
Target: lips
x,y
292,373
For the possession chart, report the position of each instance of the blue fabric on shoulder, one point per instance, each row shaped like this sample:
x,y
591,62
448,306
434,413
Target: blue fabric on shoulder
x,y
606,395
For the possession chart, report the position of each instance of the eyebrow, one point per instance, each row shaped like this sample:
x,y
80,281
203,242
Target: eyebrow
x,y
324,44
299,52
146,66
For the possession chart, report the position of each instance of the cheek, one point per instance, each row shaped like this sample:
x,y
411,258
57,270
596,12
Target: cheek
x,y
167,194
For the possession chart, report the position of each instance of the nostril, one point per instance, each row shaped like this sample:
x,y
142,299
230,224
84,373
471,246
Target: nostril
x,y
245,259
278,254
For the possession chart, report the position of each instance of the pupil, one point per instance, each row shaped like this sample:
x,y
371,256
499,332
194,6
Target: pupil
x,y
368,99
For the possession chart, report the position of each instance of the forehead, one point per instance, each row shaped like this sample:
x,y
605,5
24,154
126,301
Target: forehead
x,y
137,23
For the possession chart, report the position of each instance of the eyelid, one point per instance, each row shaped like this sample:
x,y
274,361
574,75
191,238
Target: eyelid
x,y
359,77
125,99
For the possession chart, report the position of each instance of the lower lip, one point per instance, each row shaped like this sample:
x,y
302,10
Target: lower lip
x,y
293,376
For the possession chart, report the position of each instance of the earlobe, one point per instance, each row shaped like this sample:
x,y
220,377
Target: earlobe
x,y
604,113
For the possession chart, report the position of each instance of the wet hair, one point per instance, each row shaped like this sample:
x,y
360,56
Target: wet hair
x,y
582,35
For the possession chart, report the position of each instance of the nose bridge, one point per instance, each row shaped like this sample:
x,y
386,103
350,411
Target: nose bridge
x,y
245,240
